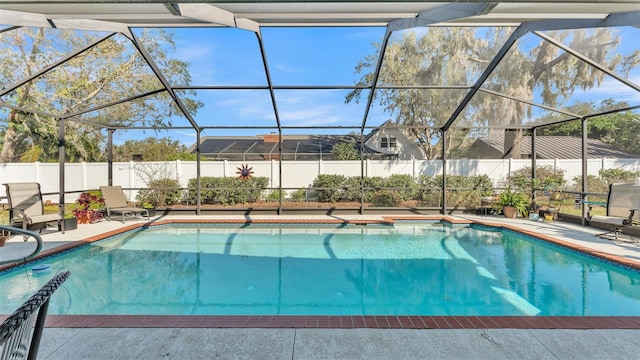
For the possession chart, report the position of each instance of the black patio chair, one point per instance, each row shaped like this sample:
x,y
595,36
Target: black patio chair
x,y
19,337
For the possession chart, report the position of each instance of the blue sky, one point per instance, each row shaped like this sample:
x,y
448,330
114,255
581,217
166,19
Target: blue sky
x,y
296,56
299,56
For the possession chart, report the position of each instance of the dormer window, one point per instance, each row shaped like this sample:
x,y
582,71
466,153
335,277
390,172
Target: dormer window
x,y
388,142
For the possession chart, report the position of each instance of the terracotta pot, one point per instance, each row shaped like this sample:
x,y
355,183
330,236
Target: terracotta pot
x,y
3,239
509,211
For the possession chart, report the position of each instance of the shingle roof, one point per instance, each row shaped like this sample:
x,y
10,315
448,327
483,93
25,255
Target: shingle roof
x,y
561,147
304,144
298,146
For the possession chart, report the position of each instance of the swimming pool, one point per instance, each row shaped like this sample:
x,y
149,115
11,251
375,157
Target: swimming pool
x,y
408,269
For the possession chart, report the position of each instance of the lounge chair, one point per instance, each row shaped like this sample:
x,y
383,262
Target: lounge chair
x,y
116,203
623,203
21,332
26,207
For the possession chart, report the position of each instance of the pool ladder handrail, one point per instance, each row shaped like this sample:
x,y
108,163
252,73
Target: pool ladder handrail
x,y
10,229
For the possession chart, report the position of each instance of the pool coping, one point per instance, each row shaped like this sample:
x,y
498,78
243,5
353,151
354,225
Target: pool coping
x,y
343,322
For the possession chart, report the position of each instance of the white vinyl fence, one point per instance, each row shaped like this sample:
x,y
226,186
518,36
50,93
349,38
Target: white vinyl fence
x,y
295,174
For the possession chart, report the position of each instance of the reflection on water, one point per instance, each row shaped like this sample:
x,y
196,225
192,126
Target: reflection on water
x,y
405,270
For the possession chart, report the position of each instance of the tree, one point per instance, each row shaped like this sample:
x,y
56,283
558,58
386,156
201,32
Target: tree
x,y
553,74
432,58
95,77
345,151
619,129
455,56
151,149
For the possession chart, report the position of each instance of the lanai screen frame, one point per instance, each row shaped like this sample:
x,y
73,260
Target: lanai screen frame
x,y
448,12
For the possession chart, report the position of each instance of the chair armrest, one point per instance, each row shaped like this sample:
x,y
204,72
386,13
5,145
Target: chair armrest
x,y
629,220
25,218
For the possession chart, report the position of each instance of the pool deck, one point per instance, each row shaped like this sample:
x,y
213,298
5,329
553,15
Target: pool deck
x,y
179,337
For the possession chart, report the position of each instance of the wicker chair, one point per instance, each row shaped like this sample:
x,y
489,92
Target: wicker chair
x,y
19,338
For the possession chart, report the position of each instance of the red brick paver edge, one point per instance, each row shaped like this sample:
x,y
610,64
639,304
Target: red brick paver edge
x,y
344,322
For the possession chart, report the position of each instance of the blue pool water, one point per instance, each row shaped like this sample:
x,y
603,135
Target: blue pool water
x,y
408,269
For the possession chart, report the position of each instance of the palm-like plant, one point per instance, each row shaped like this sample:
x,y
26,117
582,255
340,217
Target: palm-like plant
x,y
515,199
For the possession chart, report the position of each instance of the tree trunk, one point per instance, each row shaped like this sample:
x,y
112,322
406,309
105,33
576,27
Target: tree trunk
x,y
11,137
10,140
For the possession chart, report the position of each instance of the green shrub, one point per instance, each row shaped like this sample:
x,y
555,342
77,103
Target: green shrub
x,y
329,188
482,184
371,185
334,188
392,191
274,195
353,188
227,190
547,178
300,194
403,185
428,191
611,176
386,198
600,184
160,193
462,191
595,184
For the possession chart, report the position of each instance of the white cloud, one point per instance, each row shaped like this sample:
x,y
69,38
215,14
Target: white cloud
x,y
290,69
184,133
296,108
316,108
612,88
249,107
197,54
305,114
193,52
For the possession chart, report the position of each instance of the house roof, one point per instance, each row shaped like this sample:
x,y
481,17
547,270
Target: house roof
x,y
386,124
560,147
296,144
301,146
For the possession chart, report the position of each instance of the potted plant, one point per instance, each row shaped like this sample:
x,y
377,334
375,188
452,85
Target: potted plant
x,y
512,203
150,208
70,222
89,208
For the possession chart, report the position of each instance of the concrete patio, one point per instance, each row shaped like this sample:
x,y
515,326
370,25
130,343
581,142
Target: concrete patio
x,y
97,344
